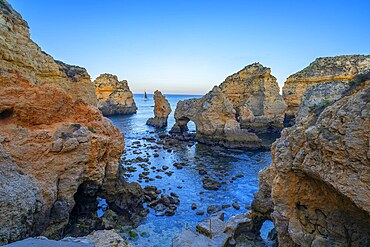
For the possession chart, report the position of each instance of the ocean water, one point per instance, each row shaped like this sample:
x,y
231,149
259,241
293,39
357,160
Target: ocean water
x,y
220,162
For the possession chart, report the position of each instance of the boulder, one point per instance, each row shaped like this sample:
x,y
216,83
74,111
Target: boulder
x,y
162,109
114,96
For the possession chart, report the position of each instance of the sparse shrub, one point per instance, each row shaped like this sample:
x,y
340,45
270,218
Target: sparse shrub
x,y
91,129
76,125
133,234
320,106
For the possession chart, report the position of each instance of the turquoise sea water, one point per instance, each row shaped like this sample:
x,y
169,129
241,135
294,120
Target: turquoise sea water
x,y
187,183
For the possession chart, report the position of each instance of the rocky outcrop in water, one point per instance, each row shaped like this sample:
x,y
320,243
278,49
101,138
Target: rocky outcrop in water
x,y
245,104
325,69
317,188
255,96
161,111
214,117
114,96
54,145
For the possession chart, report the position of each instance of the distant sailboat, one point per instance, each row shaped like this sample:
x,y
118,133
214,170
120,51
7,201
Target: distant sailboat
x,y
145,96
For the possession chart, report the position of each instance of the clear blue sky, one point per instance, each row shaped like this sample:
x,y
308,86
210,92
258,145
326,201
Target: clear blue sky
x,y
189,46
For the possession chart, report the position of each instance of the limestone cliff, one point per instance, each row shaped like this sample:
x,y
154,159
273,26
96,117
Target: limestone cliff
x,y
214,117
325,69
161,111
53,143
255,96
317,188
20,57
114,96
245,104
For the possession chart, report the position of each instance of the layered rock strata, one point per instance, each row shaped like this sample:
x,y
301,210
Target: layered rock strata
x,y
325,69
162,109
245,104
214,117
21,58
255,95
114,96
53,141
317,188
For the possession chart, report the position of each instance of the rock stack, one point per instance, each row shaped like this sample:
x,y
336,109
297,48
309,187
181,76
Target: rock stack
x,y
234,114
161,111
114,96
214,117
255,95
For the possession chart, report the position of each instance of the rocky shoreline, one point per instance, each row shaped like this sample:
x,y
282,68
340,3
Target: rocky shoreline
x,y
62,161
55,145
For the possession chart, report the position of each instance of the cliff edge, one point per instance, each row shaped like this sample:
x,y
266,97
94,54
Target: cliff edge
x,y
54,142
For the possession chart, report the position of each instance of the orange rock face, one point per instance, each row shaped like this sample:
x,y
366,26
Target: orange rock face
x,y
162,109
114,96
52,137
21,57
255,96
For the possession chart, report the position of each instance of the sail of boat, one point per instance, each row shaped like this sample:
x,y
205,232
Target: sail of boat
x,y
145,96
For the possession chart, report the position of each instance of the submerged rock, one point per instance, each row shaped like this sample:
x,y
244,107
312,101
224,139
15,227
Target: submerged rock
x,y
211,184
213,209
114,96
161,111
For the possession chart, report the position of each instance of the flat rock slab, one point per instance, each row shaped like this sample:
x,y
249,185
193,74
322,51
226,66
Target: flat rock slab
x,y
212,226
37,242
188,238
102,238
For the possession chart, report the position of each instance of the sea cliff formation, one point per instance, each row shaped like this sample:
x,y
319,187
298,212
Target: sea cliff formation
x,y
255,96
324,69
20,57
239,113
317,188
114,96
161,111
214,117
54,143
